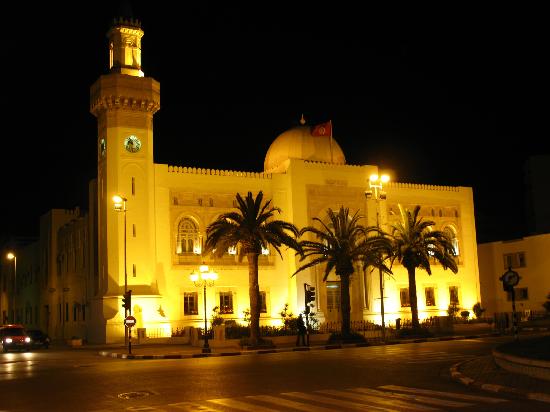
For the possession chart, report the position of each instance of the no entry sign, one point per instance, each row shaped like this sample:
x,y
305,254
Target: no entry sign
x,y
129,321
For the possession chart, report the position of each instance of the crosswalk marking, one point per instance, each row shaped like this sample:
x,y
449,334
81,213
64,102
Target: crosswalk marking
x,y
290,404
444,394
192,407
423,399
377,399
337,402
241,406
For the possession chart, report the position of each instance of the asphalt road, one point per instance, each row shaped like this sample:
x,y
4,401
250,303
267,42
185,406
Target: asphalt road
x,y
408,377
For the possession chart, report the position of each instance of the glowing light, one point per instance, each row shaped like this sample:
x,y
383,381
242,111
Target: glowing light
x,y
373,177
265,251
232,250
11,256
385,178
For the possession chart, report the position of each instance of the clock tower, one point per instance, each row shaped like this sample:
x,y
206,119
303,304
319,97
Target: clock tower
x,y
124,102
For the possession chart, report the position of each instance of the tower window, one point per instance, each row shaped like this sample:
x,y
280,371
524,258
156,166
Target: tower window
x,y
133,186
404,295
134,270
134,230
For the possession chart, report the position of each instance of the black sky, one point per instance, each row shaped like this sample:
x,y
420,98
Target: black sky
x,y
444,96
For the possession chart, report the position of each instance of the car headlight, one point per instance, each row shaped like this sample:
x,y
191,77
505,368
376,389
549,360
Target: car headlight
x,y
9,340
27,339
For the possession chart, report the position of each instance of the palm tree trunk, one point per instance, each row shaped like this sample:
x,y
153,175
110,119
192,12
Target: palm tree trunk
x,y
254,292
345,303
412,297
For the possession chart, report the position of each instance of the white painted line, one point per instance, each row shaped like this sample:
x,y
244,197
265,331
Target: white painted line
x,y
289,404
423,399
241,406
377,399
338,402
543,397
445,394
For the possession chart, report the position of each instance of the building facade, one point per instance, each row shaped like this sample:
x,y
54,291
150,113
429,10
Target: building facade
x,y
154,241
527,256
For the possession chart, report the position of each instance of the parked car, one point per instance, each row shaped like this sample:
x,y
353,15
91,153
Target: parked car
x,y
39,339
14,337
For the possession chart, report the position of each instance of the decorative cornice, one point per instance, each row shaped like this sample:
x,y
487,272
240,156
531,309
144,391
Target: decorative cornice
x,y
124,103
216,172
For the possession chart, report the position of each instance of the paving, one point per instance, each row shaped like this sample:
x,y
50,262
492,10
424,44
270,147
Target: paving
x,y
482,373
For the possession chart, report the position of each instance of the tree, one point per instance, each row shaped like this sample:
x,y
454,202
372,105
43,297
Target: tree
x,y
250,229
341,243
415,243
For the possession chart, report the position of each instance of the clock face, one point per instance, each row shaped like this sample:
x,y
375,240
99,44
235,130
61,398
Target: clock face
x,y
132,144
102,147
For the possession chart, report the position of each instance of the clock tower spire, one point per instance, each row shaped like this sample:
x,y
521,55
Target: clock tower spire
x,y
124,102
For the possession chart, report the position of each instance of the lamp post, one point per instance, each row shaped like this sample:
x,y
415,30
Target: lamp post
x,y
120,206
204,278
376,184
11,256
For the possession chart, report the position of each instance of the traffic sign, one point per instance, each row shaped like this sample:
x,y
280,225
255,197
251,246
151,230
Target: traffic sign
x,y
129,321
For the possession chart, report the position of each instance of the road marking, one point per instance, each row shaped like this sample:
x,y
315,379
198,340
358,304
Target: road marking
x,y
445,394
423,399
241,406
189,406
377,399
289,404
337,402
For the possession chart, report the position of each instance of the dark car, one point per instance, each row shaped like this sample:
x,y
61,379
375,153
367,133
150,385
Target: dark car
x,y
39,339
14,337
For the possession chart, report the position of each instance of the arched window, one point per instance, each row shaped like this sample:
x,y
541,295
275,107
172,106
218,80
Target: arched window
x,y
451,232
187,240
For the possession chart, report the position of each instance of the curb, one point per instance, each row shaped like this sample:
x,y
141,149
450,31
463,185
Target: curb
x,y
291,349
519,393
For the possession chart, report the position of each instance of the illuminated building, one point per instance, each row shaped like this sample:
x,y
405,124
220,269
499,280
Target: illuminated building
x,y
168,208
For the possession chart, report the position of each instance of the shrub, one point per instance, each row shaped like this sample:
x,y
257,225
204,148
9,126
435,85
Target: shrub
x,y
216,318
452,310
465,314
478,310
421,332
354,337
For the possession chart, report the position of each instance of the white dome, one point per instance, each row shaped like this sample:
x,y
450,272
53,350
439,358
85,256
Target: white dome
x,y
298,143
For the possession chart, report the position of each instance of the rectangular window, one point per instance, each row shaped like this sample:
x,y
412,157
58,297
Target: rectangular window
x,y
133,186
134,230
210,202
514,260
333,296
84,312
226,302
430,296
74,312
404,295
521,294
175,201
190,303
59,312
200,202
134,270
453,295
66,312
263,302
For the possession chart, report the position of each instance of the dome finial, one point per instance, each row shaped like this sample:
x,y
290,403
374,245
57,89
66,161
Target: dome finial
x,y
302,120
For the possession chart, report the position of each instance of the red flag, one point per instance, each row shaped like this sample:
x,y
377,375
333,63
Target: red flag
x,y
323,129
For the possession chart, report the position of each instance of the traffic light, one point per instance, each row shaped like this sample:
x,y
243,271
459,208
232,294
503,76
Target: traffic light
x,y
310,295
127,300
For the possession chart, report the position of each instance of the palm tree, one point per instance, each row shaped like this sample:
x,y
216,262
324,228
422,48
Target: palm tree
x,y
414,244
341,243
250,229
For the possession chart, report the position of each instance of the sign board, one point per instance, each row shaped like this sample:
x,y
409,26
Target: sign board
x,y
129,321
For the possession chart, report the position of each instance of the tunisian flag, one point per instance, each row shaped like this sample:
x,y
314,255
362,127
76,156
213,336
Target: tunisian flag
x,y
323,129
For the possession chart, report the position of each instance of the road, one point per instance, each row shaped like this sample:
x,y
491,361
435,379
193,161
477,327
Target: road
x,y
406,377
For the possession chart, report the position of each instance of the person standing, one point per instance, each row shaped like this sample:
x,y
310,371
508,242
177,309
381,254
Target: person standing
x,y
301,337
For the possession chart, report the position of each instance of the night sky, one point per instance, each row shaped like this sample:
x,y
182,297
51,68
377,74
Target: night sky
x,y
440,96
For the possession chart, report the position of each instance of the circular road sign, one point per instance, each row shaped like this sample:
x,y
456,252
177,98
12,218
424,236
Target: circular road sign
x,y
129,321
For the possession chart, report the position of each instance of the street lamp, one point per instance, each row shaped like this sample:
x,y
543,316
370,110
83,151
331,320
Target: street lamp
x,y
120,206
11,256
205,277
376,184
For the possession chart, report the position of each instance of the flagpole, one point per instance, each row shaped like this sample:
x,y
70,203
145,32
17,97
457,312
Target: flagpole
x,y
330,142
